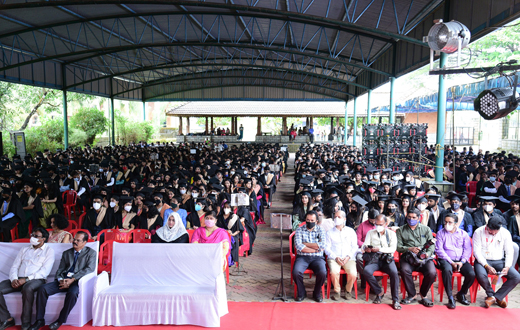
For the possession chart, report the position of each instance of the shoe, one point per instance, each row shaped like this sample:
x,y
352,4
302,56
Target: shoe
x,y
462,299
489,301
378,299
7,324
299,299
318,298
502,303
55,325
396,305
26,326
335,296
451,303
37,325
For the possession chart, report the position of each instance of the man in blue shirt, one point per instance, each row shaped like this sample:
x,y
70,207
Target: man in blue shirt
x,y
309,241
311,134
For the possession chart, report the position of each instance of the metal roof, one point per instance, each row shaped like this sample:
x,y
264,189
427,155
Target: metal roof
x,y
164,50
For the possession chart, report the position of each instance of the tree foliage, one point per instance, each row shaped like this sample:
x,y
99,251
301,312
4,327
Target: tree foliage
x,y
92,121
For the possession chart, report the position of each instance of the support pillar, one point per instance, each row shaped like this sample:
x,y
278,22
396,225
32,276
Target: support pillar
x,y
441,122
331,135
284,125
345,133
212,127
369,111
354,126
311,123
180,125
236,125
259,127
391,119
206,125
187,125
112,113
144,111
65,121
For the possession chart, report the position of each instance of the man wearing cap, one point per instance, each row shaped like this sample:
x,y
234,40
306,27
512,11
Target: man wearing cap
x,y
464,219
426,217
487,210
98,217
504,191
410,180
490,187
493,250
434,207
453,249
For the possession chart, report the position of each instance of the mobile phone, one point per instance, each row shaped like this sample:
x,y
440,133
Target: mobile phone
x,y
369,246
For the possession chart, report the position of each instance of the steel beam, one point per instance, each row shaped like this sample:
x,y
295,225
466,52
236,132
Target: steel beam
x,y
65,115
441,123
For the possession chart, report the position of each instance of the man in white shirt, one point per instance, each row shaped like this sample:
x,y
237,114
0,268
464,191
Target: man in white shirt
x,y
382,242
341,248
29,271
493,251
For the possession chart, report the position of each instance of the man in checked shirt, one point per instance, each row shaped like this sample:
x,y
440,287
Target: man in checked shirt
x,y
310,244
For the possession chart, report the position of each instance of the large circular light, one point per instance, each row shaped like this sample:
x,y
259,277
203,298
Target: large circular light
x,y
444,37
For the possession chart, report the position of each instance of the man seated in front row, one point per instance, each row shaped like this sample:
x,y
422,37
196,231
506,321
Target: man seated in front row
x,y
453,250
341,248
382,243
493,251
309,244
415,242
29,271
75,263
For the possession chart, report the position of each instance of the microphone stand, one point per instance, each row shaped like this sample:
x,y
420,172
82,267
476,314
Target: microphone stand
x,y
280,289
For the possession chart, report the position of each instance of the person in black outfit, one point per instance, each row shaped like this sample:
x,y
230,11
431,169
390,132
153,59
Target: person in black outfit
x,y
11,212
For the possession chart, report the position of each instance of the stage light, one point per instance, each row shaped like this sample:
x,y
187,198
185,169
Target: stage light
x,y
496,103
448,37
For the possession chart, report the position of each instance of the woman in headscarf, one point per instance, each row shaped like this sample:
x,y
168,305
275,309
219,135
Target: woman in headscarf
x,y
173,231
231,222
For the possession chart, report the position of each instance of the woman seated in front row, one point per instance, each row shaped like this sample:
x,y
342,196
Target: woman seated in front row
x,y
212,234
173,231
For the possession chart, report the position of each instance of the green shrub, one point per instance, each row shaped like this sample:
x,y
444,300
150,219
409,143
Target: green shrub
x,y
91,121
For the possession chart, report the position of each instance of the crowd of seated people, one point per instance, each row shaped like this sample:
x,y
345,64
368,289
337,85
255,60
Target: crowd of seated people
x,y
404,226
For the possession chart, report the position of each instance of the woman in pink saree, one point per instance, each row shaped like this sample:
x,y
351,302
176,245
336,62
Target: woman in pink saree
x,y
212,234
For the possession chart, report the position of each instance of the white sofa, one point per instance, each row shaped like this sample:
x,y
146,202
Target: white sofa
x,y
80,314
162,284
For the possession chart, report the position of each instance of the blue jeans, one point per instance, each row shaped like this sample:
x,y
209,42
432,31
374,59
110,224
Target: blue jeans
x,y
317,265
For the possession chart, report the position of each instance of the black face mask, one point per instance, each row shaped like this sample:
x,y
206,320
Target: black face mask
x,y
310,225
174,206
464,205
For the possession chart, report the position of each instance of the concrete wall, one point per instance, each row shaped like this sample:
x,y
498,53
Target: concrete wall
x,y
280,139
204,138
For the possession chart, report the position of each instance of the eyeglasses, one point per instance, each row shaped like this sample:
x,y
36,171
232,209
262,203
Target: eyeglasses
x,y
36,236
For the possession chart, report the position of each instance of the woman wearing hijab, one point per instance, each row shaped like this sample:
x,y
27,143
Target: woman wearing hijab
x,y
229,221
173,231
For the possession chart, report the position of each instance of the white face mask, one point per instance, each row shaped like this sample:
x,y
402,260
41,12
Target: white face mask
x,y
376,177
245,172
232,172
380,229
449,227
96,206
227,211
339,221
395,178
128,208
421,207
182,191
34,241
488,208
195,195
112,204
408,179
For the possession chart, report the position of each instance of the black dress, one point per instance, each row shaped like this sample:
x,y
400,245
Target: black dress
x,y
238,241
184,238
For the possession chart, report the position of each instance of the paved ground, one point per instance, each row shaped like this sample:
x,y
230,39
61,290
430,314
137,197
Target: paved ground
x,y
263,266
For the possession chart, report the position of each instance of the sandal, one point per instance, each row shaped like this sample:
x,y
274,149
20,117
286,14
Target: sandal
x,y
396,305
426,302
408,300
378,299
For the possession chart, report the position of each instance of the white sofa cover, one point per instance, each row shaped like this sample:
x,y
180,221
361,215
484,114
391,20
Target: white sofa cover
x,y
80,314
162,284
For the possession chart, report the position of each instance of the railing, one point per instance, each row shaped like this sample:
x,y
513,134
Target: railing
x,y
464,136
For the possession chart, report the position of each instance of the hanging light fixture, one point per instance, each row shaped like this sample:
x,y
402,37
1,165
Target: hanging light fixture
x,y
447,38
496,103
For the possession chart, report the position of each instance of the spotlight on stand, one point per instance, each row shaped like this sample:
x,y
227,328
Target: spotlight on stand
x,y
448,38
496,103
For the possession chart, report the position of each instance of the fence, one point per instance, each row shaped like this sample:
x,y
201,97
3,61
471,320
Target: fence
x,y
464,136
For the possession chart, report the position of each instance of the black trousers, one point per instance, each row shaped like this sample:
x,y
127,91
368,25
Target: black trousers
x,y
6,226
317,265
28,290
447,273
429,272
513,278
50,289
389,269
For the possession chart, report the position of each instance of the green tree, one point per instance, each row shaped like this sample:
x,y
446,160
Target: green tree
x,y
91,121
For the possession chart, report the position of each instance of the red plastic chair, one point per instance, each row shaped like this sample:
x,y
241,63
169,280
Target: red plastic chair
x,y
458,276
14,233
385,277
190,233
73,232
416,275
70,197
105,257
81,219
115,235
22,240
72,225
141,236
471,188
244,248
341,272
476,286
307,271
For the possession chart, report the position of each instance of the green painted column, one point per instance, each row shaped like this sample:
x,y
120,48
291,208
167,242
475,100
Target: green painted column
x,y
354,125
441,123
113,124
65,121
392,101
369,111
346,123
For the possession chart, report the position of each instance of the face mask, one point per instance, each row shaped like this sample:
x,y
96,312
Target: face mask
x,y
157,201
112,204
449,227
338,221
76,179
376,177
232,173
263,164
488,208
380,229
128,208
391,209
182,191
395,178
174,206
227,211
412,222
304,175
464,205
195,194
35,241
350,189
310,225
209,223
245,172
408,179
96,206
372,190
198,207
421,207
455,206
492,179
370,176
